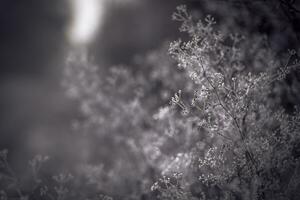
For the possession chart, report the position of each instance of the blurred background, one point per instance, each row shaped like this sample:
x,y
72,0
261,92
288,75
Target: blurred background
x,y
37,36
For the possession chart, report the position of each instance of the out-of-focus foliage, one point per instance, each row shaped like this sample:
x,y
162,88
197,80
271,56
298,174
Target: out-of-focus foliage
x,y
118,116
120,109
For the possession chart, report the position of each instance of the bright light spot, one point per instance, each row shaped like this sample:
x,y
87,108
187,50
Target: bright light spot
x,y
86,20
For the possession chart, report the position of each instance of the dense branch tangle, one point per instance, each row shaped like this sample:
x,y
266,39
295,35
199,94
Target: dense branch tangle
x,y
231,100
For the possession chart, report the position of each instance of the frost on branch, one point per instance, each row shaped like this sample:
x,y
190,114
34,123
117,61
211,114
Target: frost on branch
x,y
254,150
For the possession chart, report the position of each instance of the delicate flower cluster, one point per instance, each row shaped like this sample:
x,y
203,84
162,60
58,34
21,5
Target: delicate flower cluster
x,y
170,187
253,142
